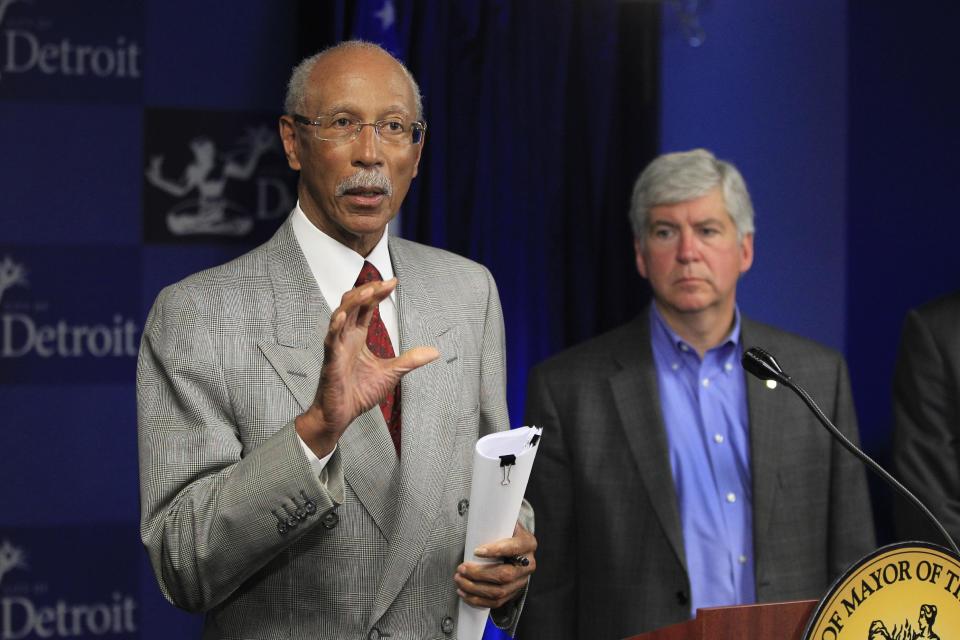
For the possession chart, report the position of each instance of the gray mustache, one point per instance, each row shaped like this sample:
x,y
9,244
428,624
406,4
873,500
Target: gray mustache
x,y
365,179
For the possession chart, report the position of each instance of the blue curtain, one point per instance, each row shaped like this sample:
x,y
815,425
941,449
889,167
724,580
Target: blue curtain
x,y
541,114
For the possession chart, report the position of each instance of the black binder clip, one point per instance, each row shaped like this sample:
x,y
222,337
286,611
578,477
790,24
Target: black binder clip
x,y
534,440
507,461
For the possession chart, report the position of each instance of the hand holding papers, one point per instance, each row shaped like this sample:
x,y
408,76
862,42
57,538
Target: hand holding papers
x,y
501,467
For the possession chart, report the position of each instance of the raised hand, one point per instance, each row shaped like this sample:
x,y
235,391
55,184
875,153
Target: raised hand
x,y
353,380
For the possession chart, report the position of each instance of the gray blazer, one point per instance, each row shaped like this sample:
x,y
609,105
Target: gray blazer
x,y
611,556
236,524
926,411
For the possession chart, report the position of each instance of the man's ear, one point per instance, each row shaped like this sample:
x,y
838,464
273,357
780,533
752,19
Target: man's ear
x,y
416,163
288,135
638,254
746,253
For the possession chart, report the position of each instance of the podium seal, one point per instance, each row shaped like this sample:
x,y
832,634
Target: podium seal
x,y
902,591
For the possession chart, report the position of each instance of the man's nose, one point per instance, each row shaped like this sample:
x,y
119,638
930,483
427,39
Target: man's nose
x,y
366,148
689,247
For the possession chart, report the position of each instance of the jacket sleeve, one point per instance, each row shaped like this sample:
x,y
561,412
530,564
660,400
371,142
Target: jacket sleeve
x,y
551,607
851,532
493,375
494,417
211,509
926,451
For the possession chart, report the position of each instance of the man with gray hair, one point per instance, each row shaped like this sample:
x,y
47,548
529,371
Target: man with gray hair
x,y
667,480
283,491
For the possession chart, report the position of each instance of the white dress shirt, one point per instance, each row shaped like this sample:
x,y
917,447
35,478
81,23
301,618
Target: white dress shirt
x,y
335,267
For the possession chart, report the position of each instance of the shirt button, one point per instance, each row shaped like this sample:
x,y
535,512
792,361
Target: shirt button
x,y
684,347
731,497
718,438
728,367
742,559
675,366
706,382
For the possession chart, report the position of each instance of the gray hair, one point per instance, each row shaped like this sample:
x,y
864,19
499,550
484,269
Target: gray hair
x,y
296,98
687,175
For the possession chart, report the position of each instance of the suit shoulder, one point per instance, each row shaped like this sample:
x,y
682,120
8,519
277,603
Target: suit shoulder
x,y
789,348
598,353
932,326
941,314
434,258
246,265
244,277
447,279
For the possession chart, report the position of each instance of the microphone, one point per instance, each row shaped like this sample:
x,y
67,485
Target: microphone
x,y
764,366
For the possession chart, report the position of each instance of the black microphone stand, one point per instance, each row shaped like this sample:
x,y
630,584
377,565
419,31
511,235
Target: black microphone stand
x,y
764,366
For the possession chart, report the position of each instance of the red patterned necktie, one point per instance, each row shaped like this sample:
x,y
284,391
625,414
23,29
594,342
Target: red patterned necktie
x,y
378,341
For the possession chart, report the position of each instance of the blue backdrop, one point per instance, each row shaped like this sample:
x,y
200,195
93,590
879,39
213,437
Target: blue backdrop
x,y
134,153
140,146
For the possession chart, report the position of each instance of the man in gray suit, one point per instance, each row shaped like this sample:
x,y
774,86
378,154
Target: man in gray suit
x,y
667,480
926,411
277,496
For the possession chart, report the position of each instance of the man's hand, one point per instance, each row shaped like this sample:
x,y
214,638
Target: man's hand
x,y
494,585
353,380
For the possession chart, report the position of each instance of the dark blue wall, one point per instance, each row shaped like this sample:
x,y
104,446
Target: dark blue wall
x,y
767,90
840,115
843,119
902,218
71,216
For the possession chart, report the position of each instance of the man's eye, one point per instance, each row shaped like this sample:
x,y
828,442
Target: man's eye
x,y
392,126
662,233
341,123
710,231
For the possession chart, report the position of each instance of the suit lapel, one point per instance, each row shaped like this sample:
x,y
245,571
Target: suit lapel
x,y
302,316
637,398
763,406
403,498
429,404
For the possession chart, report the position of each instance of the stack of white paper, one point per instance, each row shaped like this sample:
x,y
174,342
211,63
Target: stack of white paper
x,y
501,468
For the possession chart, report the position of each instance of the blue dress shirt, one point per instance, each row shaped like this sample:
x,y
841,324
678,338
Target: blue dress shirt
x,y
704,405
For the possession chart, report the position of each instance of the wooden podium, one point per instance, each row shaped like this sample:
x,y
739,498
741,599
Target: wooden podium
x,y
779,621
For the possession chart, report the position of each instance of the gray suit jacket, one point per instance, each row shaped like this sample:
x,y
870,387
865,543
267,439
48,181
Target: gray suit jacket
x,y
926,410
611,555
236,524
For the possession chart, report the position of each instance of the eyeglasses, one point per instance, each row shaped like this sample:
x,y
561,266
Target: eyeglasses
x,y
341,129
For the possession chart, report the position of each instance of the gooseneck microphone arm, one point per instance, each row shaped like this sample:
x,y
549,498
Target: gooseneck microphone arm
x,y
764,366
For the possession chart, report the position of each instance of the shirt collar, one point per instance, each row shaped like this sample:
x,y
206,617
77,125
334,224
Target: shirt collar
x,y
335,266
666,341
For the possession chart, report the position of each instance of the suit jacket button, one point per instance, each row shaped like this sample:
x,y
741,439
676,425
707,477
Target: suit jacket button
x,y
447,625
682,598
374,634
330,521
462,506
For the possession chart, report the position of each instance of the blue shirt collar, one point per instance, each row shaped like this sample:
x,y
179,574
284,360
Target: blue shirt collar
x,y
667,341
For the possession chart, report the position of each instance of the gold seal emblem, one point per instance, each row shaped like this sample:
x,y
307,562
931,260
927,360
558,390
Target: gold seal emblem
x,y
903,591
